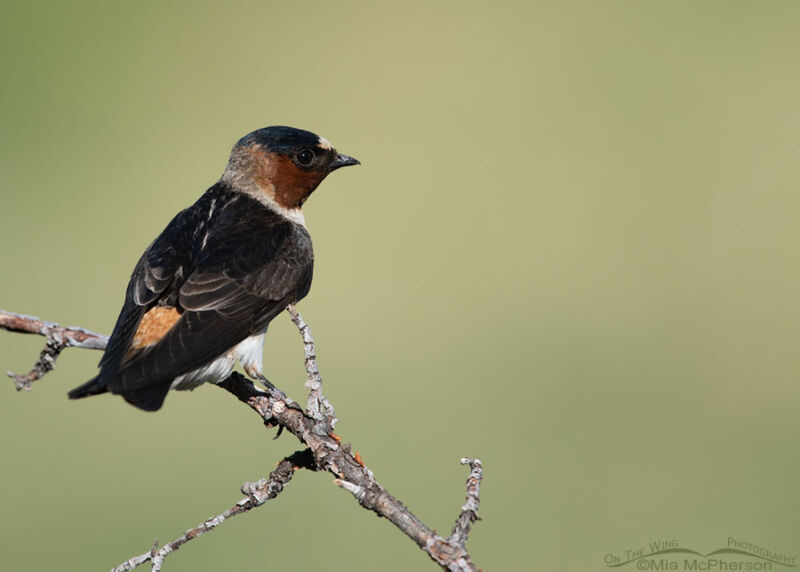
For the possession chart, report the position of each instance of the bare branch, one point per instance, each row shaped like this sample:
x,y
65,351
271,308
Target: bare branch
x,y
58,338
325,452
318,405
335,457
469,512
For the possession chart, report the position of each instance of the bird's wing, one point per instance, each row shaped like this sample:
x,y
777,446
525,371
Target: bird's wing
x,y
153,282
251,265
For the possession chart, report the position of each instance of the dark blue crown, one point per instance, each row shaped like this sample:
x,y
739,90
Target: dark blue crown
x,y
280,139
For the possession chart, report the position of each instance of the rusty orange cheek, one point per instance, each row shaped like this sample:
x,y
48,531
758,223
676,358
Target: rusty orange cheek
x,y
290,184
154,325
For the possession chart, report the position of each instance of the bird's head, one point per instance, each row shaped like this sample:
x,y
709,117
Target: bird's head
x,y
282,165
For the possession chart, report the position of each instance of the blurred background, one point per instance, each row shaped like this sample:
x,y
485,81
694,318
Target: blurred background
x,y
571,251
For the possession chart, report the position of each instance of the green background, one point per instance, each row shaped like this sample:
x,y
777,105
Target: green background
x,y
571,251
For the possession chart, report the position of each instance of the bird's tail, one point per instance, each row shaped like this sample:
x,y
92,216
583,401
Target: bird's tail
x,y
91,387
149,398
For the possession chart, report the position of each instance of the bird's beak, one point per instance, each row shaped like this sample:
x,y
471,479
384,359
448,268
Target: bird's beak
x,y
344,161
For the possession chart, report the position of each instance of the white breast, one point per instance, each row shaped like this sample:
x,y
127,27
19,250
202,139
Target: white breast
x,y
249,353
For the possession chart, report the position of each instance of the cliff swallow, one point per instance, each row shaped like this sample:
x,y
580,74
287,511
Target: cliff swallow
x,y
204,292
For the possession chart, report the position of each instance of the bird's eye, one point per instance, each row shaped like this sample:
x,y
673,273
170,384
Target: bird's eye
x,y
305,157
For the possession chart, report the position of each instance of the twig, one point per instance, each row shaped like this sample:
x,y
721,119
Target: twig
x,y
58,338
325,452
469,512
257,494
318,405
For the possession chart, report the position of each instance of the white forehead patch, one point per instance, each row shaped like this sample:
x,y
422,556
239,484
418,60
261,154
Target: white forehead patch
x,y
324,144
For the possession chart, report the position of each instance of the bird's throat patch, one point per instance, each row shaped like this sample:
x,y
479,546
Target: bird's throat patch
x,y
154,325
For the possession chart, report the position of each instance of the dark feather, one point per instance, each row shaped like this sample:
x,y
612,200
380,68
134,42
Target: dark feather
x,y
91,387
230,265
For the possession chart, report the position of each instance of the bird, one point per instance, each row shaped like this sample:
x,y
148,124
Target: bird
x,y
203,293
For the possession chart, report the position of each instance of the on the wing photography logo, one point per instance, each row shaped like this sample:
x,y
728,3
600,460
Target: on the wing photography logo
x,y
736,554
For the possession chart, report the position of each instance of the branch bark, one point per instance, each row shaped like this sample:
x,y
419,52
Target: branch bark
x,y
313,427
58,338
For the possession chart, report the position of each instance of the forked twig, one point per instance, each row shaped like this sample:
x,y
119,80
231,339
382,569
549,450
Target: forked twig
x,y
58,338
